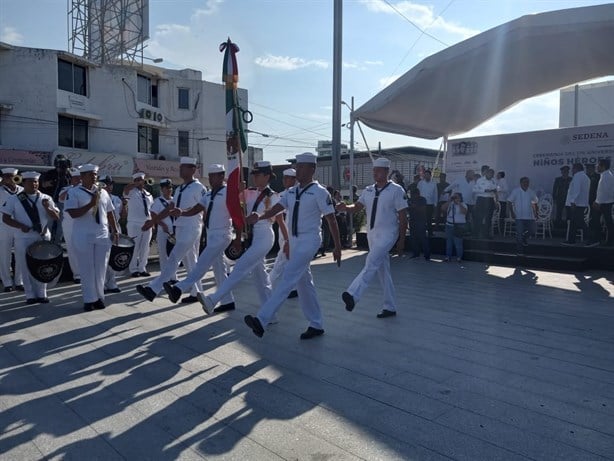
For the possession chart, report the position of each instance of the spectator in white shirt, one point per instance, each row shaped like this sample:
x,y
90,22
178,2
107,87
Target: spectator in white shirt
x,y
428,190
465,188
602,206
577,200
486,192
524,210
502,192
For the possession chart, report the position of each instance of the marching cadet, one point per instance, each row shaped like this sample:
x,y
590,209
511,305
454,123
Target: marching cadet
x,y
73,262
166,226
31,212
306,203
7,235
218,225
139,205
288,180
187,232
93,225
260,199
386,207
106,182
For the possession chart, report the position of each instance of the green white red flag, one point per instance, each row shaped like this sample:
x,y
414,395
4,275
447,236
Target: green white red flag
x,y
236,142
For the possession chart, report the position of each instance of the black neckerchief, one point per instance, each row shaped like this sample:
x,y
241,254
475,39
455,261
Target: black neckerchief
x,y
210,207
31,210
295,208
266,192
181,189
9,190
374,205
166,204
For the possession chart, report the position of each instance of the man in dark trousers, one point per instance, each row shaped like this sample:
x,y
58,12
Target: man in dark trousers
x,y
418,224
559,195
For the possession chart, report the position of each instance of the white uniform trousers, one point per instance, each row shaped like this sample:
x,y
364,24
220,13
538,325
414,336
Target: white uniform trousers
x,y
70,248
32,287
297,273
161,239
377,262
110,283
138,262
212,256
186,250
6,246
252,261
94,251
280,260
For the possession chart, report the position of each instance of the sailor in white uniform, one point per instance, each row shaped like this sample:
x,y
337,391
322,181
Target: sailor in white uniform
x,y
187,232
218,225
166,226
7,234
139,205
306,203
386,206
288,180
260,199
107,183
31,213
94,227
75,180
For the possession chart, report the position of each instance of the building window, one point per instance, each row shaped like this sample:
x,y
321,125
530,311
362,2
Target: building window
x,y
72,77
147,90
72,132
148,140
184,143
183,98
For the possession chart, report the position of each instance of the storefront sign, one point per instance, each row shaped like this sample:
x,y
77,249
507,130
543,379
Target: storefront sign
x,y
23,157
159,168
121,166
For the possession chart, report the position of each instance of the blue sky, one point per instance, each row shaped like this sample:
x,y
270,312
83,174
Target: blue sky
x,y
286,54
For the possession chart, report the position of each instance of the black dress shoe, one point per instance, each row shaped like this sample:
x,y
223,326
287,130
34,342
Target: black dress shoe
x,y
112,290
43,300
88,307
19,287
386,313
76,281
348,299
173,292
32,301
311,332
188,299
225,308
254,324
8,289
145,274
98,304
146,292
293,294
173,282
135,274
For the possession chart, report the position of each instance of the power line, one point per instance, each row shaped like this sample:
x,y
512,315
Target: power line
x,y
413,23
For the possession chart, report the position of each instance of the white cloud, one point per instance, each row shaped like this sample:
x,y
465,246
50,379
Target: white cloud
x,y
422,15
384,82
288,63
364,65
211,7
11,36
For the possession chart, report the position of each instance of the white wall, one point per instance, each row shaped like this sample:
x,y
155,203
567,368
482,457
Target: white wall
x,y
595,104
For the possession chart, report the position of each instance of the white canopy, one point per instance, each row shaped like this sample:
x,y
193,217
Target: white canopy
x,y
457,89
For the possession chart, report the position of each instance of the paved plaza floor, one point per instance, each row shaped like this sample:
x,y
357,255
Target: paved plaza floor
x,y
481,363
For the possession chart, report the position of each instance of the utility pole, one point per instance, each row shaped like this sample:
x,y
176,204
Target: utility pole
x,y
337,65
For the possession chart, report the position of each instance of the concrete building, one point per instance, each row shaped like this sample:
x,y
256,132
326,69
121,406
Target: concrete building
x,y
325,149
123,118
594,102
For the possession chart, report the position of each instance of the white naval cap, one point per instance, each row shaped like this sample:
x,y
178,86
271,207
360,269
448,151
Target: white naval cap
x,y
166,182
88,168
138,175
187,161
381,163
30,175
263,166
290,172
216,168
307,157
11,171
73,171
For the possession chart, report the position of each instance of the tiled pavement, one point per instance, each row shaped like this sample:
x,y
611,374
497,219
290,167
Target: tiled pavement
x,y
482,363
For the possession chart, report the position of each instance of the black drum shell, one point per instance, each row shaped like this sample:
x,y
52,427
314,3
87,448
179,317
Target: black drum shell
x,y
45,260
121,253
